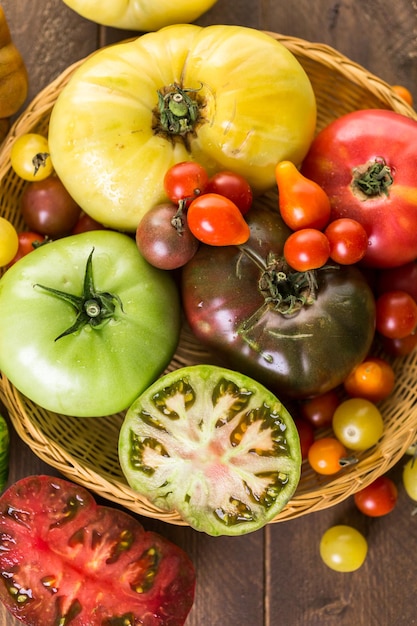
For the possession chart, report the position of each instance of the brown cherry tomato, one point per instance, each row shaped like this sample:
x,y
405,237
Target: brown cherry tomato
x,y
319,410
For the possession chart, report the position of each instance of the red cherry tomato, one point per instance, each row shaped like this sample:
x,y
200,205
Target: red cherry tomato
x,y
302,202
399,347
348,241
396,314
306,435
233,186
217,221
28,241
306,249
378,498
86,223
185,181
320,409
403,278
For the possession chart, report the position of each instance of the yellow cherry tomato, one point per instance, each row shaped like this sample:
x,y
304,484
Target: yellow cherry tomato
x,y
9,241
343,548
30,157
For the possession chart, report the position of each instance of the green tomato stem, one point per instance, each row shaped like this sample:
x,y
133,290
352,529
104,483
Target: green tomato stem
x,y
178,112
93,307
374,180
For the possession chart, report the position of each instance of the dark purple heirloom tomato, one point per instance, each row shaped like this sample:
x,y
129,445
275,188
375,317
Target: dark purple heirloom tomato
x,y
299,333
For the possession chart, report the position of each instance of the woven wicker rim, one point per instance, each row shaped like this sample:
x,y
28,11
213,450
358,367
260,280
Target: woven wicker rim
x,y
71,447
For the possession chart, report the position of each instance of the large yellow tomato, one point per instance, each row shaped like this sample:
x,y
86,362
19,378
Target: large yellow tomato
x,y
143,15
229,97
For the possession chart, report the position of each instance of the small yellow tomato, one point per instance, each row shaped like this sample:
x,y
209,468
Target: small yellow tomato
x,y
30,158
343,548
9,241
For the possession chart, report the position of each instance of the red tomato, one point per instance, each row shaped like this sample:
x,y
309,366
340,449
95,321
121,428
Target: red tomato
x,y
185,181
233,186
326,455
28,241
365,161
348,241
306,434
319,410
378,498
217,221
403,278
302,202
396,314
400,347
306,249
86,223
66,560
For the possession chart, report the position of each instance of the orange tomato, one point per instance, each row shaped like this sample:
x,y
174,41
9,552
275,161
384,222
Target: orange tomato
x,y
327,455
301,201
404,93
373,380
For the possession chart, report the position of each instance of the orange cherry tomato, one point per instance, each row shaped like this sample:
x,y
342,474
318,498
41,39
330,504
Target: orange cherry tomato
x,y
404,93
326,455
302,202
319,410
373,379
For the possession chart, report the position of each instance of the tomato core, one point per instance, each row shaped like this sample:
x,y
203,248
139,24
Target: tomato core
x,y
177,111
374,179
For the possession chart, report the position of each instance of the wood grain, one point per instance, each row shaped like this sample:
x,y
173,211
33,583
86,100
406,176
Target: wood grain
x,y
273,577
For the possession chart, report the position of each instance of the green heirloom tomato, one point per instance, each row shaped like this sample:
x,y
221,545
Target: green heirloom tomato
x,y
228,97
86,323
213,445
141,15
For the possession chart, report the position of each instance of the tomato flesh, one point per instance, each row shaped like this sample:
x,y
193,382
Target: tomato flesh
x,y
214,445
66,560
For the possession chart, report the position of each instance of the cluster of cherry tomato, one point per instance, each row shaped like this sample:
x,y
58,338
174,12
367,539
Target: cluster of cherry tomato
x,y
356,421
305,208
199,209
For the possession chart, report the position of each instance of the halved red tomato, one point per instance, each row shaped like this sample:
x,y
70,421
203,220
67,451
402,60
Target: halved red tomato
x,y
66,560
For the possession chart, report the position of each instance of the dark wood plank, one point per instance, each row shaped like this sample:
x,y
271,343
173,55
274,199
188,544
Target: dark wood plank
x,y
50,37
375,34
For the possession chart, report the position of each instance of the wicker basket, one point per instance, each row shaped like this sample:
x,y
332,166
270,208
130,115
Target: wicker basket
x,y
88,455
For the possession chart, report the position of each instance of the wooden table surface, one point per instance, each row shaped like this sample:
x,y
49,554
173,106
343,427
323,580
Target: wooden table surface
x,y
273,577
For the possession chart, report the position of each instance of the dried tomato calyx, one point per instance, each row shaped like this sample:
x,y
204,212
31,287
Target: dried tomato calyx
x,y
373,179
178,110
94,308
288,291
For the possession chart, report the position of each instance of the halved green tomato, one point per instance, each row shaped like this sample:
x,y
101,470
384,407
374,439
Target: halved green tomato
x,y
214,445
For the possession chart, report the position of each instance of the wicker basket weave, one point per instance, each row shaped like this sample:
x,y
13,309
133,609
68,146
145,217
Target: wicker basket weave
x,y
88,455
